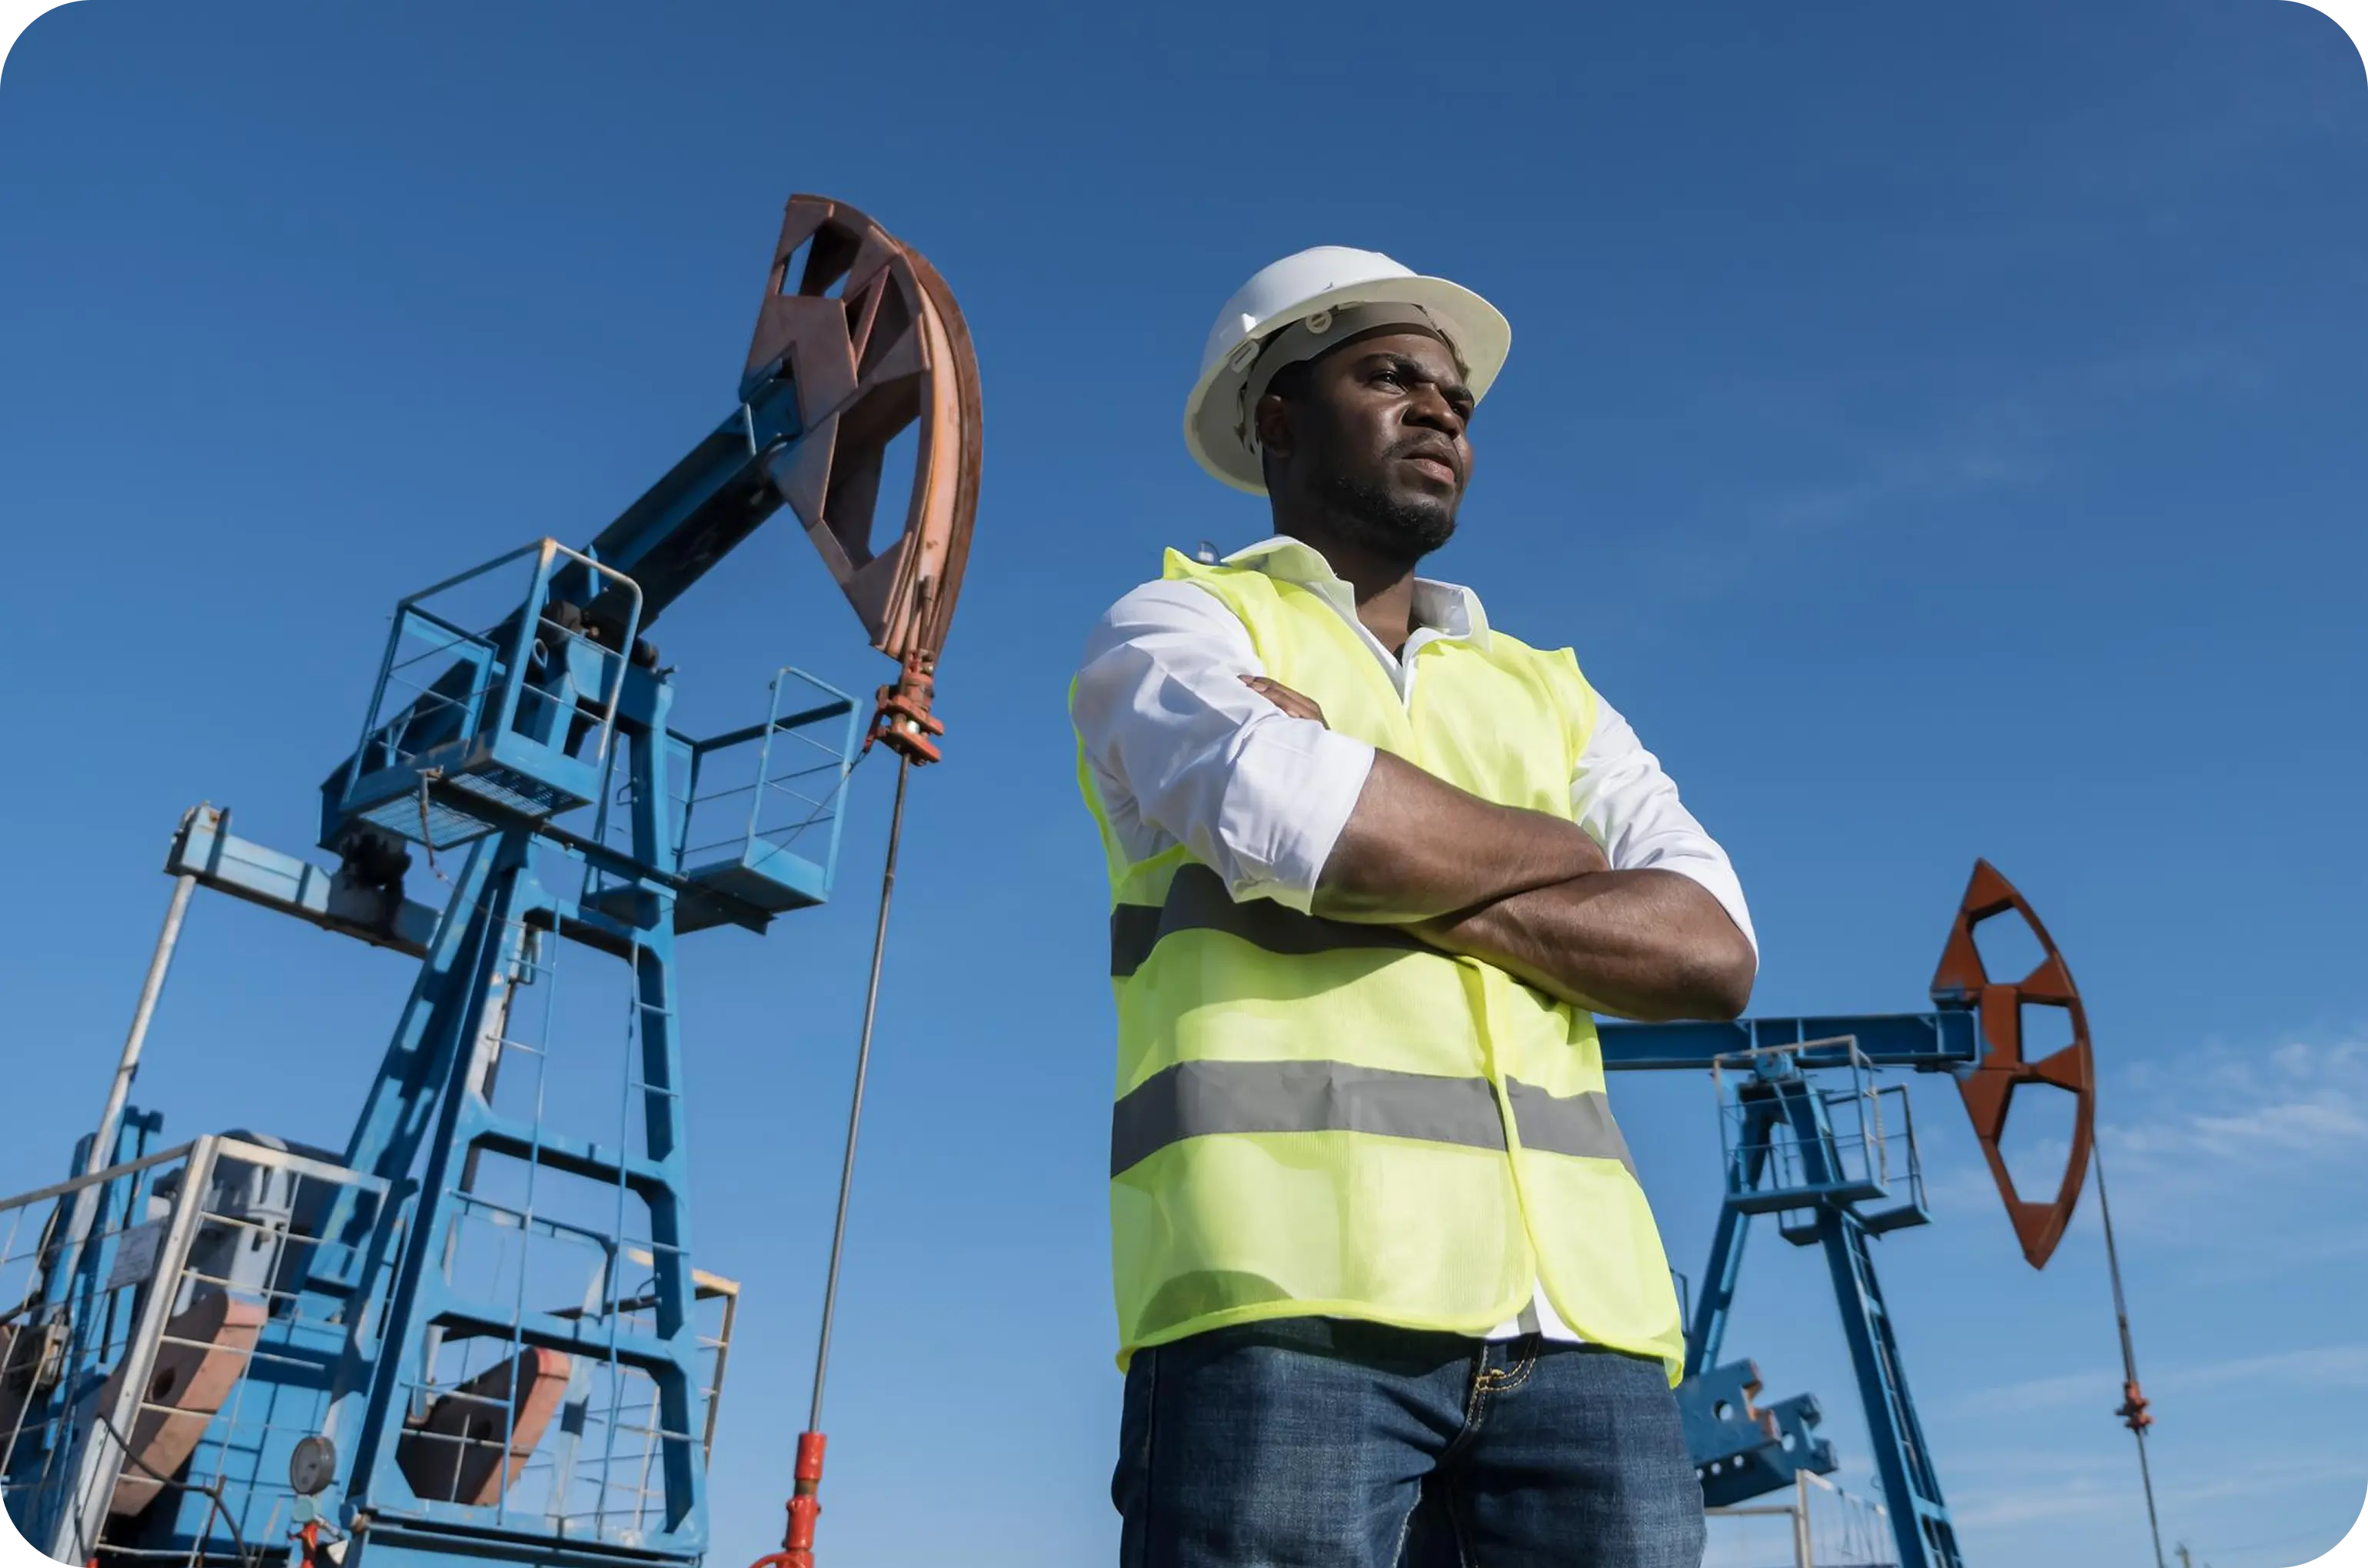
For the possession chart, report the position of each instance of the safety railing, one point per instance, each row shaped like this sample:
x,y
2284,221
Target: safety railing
x,y
547,1398
156,1380
766,804
162,1368
575,1442
754,816
505,697
1858,1141
1817,1526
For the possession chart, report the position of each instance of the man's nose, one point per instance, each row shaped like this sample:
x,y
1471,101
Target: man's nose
x,y
1431,408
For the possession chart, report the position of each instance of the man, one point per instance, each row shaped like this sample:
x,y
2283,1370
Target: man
x,y
1388,1291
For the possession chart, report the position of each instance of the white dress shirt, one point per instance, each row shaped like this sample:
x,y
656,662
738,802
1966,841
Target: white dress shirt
x,y
1180,751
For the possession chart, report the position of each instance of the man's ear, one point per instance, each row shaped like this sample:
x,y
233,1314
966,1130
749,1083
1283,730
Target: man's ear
x,y
1271,420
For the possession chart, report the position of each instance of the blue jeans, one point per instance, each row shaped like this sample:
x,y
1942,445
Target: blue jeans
x,y
1318,1443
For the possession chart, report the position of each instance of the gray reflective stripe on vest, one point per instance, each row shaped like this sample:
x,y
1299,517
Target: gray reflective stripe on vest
x,y
1197,901
1193,1098
1577,1124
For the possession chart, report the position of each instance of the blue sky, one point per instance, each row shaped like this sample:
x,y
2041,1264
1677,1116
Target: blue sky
x,y
1937,430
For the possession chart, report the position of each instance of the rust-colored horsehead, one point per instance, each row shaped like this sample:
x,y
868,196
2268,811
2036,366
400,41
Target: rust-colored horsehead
x,y
875,345
1962,980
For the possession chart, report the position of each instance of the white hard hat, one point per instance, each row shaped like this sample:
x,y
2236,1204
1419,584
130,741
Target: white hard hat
x,y
1329,288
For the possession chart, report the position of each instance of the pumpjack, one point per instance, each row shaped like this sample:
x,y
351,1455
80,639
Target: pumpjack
x,y
476,1330
1811,1136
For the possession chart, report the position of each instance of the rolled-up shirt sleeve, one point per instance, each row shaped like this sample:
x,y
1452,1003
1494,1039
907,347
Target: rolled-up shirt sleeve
x,y
1181,751
1631,807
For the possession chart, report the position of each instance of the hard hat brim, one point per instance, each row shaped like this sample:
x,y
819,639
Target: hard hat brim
x,y
1476,329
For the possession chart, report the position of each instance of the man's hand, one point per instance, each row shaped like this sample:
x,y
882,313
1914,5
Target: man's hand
x,y
1418,848
1527,893
1282,696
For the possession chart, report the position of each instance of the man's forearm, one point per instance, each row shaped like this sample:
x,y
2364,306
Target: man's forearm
x,y
1417,848
1648,944
1530,894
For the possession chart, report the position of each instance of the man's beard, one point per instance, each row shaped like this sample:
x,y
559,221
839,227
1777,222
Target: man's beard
x,y
1403,529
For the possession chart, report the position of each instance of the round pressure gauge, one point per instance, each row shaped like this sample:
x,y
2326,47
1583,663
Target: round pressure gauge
x,y
312,1466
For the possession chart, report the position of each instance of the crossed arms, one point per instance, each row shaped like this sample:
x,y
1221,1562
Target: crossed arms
x,y
1182,747
1529,893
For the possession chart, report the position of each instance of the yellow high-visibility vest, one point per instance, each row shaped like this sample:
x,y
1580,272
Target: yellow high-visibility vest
x,y
1319,1117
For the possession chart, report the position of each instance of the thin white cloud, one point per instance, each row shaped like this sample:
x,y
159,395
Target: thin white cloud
x,y
2329,1121
2078,1490
2330,1367
2034,1394
2011,438
1960,1187
2057,1501
2218,1130
2215,1147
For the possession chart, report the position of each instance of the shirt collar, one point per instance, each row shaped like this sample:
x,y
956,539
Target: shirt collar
x,y
1449,608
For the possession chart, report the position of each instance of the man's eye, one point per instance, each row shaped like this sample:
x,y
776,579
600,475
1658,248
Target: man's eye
x,y
1388,378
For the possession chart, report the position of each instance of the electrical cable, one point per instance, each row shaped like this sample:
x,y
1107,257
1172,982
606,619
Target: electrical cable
x,y
212,1492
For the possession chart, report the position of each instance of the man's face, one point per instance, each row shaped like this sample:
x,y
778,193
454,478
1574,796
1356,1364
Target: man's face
x,y
1377,436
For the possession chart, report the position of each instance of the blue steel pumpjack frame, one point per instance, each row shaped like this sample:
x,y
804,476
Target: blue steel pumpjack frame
x,y
1786,1155
1776,1103
432,1096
